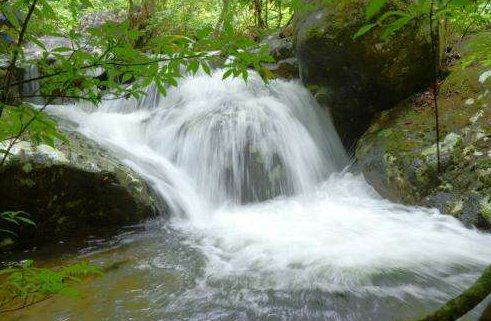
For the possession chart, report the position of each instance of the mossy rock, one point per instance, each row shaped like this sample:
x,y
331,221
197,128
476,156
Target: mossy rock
x,y
398,152
283,52
73,188
357,78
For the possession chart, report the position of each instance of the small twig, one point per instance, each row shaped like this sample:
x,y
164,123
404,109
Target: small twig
x,y
434,87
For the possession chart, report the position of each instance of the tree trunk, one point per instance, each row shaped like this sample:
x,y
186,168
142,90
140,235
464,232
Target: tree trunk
x,y
223,16
139,15
280,15
258,12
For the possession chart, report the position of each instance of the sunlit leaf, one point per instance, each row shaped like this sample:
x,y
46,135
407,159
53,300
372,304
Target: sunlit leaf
x,y
363,30
374,7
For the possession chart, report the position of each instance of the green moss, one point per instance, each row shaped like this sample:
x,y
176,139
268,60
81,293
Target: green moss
x,y
407,133
315,32
462,81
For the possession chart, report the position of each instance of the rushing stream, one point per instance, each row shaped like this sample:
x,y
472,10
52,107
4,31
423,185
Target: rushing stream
x,y
266,223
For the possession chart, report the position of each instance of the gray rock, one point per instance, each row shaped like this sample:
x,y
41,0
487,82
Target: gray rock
x,y
397,154
280,47
283,52
74,187
357,77
286,68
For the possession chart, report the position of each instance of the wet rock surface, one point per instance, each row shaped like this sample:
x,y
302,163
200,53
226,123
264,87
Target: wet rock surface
x,y
356,78
283,52
73,187
398,153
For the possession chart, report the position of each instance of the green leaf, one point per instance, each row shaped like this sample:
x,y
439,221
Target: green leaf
x,y
396,25
193,66
363,30
245,75
26,220
391,14
374,7
206,68
11,220
8,232
227,74
37,42
9,13
62,49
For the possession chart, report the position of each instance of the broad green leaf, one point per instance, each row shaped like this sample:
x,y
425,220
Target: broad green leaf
x,y
374,7
391,14
396,25
9,13
206,68
363,30
7,232
227,74
26,220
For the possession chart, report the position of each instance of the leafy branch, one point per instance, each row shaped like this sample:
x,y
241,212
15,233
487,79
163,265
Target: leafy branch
x,y
419,11
21,132
16,218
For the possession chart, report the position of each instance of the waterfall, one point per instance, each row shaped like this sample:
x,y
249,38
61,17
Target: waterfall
x,y
253,175
32,88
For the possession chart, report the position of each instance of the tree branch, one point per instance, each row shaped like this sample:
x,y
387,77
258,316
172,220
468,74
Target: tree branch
x,y
434,34
12,67
22,131
102,64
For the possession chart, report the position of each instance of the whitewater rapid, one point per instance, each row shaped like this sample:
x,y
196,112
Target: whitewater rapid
x,y
255,178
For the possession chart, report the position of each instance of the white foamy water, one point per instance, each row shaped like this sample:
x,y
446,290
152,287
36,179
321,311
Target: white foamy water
x,y
253,176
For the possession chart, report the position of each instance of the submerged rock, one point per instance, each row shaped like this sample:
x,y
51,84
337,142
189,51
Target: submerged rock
x,y
73,188
355,78
398,152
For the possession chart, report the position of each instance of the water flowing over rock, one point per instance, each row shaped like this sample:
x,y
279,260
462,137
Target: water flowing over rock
x,y
224,139
263,219
355,78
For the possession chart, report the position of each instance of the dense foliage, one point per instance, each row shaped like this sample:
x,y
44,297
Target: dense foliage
x,y
15,218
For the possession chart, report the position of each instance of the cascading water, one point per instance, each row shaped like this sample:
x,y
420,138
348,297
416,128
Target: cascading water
x,y
31,89
265,225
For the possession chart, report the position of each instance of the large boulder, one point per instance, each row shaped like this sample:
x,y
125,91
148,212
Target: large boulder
x,y
398,153
283,52
357,78
73,188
